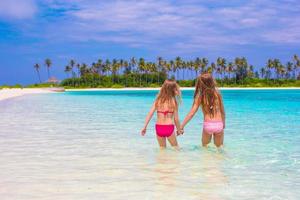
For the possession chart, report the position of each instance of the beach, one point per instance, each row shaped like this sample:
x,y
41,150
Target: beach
x,y
16,92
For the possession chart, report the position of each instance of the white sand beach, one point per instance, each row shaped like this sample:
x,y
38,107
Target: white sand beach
x,y
11,93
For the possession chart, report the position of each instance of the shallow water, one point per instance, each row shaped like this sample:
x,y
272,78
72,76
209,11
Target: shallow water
x,y
86,145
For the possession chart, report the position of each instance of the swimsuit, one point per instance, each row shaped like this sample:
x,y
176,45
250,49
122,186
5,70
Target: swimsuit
x,y
165,112
213,126
164,130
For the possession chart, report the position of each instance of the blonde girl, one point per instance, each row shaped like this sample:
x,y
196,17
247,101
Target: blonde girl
x,y
210,100
166,105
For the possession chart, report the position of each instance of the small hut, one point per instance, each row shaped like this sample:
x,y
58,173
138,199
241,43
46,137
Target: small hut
x,y
54,87
53,80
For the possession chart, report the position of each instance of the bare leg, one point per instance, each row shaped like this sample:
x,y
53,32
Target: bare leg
x,y
206,138
219,139
173,141
161,141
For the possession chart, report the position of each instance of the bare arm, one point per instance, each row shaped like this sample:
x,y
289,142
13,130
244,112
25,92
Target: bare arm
x,y
148,118
222,110
192,112
176,118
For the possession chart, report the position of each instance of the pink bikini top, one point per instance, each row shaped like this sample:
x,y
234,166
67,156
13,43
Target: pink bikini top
x,y
165,112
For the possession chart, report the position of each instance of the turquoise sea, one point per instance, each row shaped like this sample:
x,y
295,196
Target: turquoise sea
x,y
87,145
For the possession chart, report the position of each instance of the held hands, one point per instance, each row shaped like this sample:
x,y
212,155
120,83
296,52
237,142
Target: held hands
x,y
180,131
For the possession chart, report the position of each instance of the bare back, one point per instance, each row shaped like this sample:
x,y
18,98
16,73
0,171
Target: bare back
x,y
165,113
219,115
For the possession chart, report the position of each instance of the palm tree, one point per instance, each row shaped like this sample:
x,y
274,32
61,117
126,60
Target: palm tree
x,y
289,69
121,65
241,68
67,70
262,72
78,70
83,69
282,71
146,69
99,66
141,68
132,63
173,67
37,68
168,67
221,63
244,65
178,63
127,67
72,64
229,69
114,69
190,66
204,64
159,66
211,68
48,64
296,66
107,67
277,67
250,72
127,71
197,64
184,66
269,66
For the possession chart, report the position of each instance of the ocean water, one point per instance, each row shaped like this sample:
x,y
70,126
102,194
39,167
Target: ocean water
x,y
87,145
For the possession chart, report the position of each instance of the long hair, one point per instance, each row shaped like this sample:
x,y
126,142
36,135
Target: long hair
x,y
210,98
169,93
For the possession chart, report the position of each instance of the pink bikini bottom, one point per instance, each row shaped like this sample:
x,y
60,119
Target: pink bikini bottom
x,y
164,130
213,126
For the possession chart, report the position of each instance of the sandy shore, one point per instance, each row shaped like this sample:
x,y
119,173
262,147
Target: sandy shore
x,y
11,93
182,88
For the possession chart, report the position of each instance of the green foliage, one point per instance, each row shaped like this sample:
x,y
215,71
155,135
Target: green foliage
x,y
186,83
154,85
11,86
117,86
42,85
141,73
134,80
5,86
125,80
17,86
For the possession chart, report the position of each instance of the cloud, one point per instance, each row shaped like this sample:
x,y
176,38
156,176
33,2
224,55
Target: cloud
x,y
15,9
167,25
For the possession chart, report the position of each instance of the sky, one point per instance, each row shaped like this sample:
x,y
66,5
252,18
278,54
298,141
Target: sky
x,y
33,30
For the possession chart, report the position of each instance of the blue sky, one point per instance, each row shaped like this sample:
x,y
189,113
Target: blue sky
x,y
32,30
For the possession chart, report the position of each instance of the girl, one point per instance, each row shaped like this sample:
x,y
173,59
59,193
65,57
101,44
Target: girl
x,y
166,105
208,97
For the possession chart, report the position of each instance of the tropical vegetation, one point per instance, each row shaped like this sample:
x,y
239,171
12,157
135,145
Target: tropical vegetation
x,y
142,73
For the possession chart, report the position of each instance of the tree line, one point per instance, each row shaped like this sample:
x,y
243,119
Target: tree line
x,y
140,73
